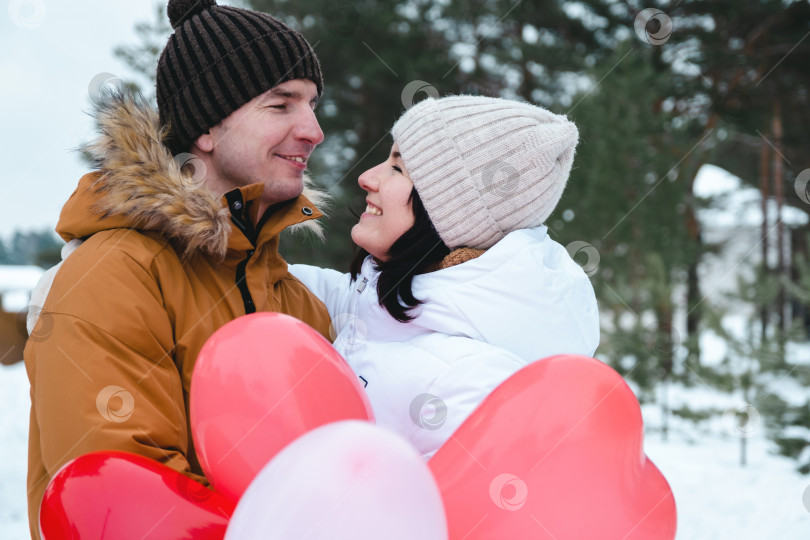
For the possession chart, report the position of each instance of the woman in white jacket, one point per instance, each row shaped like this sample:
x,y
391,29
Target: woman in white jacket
x,y
457,284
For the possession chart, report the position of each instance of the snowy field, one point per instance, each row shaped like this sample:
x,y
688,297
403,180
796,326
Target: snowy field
x,y
14,408
716,498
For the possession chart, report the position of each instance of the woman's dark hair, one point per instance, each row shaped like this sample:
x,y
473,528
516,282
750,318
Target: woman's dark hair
x,y
412,253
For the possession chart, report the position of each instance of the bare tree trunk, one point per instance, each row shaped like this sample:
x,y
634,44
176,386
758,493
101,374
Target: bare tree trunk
x,y
764,188
666,352
799,310
745,426
778,192
665,410
693,311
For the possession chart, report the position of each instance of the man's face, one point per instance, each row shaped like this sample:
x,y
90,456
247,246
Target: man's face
x,y
267,140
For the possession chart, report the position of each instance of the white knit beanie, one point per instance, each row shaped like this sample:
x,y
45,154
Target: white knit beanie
x,y
483,166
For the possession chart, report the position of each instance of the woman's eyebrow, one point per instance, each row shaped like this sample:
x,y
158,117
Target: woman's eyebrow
x,y
396,155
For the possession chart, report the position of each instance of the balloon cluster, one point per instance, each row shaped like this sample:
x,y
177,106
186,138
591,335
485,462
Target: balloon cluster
x,y
286,437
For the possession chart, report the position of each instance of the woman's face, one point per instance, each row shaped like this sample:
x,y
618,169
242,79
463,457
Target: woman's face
x,y
388,213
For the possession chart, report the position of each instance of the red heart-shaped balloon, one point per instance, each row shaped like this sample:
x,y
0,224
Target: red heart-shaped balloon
x,y
120,496
554,452
260,382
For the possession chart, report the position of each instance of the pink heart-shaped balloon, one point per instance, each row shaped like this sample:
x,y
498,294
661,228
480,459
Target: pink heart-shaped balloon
x,y
260,382
121,496
554,452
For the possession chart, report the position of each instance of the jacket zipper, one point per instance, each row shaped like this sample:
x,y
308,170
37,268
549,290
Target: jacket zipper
x,y
236,204
241,282
360,288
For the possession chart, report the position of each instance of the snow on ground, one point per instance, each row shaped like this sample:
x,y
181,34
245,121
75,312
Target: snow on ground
x,y
716,498
14,408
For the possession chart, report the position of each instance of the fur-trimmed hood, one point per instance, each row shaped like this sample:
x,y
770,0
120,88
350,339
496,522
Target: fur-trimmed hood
x,y
140,185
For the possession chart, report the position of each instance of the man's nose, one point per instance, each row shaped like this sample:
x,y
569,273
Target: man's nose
x,y
308,129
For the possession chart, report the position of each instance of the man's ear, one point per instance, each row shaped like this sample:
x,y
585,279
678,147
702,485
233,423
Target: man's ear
x,y
205,142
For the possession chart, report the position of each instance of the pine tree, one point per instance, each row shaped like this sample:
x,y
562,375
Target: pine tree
x,y
784,396
627,197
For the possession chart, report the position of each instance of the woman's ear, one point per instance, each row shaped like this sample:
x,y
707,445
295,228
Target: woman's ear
x,y
205,142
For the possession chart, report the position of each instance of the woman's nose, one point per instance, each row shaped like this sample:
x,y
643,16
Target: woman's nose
x,y
368,181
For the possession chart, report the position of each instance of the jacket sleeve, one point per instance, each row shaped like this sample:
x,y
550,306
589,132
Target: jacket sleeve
x,y
100,363
330,286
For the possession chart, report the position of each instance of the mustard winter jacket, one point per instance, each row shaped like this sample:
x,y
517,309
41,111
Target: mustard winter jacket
x,y
165,263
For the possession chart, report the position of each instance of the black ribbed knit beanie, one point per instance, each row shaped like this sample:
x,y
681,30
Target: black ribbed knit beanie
x,y
218,59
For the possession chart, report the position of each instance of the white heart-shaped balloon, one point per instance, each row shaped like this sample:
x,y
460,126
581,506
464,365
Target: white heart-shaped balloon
x,y
349,479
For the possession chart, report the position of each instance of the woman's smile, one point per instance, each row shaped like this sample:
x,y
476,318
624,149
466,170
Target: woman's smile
x,y
373,209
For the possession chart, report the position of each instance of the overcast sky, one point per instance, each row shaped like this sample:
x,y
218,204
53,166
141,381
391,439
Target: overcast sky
x,y
51,51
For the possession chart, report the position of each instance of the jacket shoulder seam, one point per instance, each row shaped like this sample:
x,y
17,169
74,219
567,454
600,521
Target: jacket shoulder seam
x,y
161,244
105,332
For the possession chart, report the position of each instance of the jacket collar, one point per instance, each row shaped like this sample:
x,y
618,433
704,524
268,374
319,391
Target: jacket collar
x,y
140,185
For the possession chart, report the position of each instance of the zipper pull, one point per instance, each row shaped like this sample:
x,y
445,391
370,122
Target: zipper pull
x,y
362,285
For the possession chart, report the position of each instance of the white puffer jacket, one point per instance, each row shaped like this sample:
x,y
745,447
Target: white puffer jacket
x,y
522,300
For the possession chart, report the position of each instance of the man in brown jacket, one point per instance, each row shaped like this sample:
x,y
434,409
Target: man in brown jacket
x,y
170,255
